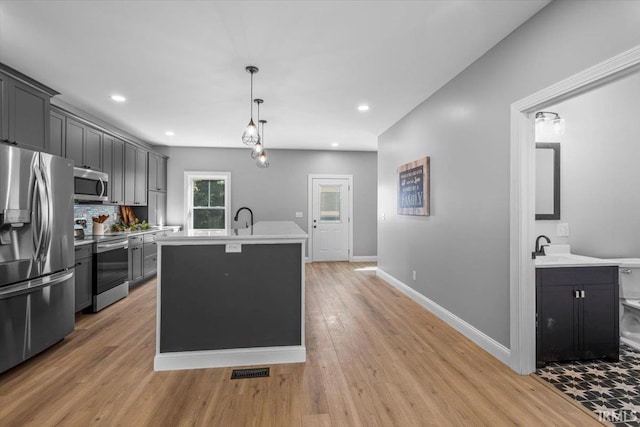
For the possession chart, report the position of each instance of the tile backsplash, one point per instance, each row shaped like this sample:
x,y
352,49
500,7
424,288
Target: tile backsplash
x,y
89,211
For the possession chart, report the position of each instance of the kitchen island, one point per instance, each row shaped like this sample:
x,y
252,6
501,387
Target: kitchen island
x,y
231,298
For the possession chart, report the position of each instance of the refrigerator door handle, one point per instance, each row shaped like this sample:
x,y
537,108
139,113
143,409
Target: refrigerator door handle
x,y
49,210
39,199
31,285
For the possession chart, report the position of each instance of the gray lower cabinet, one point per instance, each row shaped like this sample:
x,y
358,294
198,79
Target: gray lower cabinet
x,y
84,267
150,252
577,313
136,259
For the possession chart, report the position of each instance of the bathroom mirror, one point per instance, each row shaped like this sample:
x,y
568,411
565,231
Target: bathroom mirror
x,y
548,180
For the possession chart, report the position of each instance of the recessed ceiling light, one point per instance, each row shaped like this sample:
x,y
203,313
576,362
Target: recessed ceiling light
x,y
363,107
170,133
334,144
118,98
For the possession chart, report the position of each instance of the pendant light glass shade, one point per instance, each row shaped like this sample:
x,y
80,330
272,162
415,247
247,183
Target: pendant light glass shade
x,y
258,148
262,160
250,135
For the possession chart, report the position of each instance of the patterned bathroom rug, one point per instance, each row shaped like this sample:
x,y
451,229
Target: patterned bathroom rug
x,y
610,390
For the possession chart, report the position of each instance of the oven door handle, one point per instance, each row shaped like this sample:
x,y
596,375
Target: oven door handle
x,y
103,247
32,285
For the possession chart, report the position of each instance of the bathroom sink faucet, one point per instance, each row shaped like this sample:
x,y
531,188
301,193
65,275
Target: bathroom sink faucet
x,y
540,249
235,218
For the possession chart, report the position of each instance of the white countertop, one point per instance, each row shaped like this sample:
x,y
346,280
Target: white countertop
x,y
572,260
264,230
89,238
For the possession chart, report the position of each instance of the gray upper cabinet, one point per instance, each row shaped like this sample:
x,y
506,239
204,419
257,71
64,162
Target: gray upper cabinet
x,y
24,110
157,172
56,134
116,179
156,207
75,142
135,173
84,145
93,149
129,174
141,178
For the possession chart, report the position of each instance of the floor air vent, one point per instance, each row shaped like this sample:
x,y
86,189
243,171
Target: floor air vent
x,y
239,374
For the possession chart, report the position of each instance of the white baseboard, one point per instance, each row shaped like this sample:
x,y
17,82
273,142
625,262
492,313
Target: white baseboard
x,y
175,361
487,343
366,258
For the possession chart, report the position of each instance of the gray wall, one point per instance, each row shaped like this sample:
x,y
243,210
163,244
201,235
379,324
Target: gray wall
x,y
280,191
461,252
600,171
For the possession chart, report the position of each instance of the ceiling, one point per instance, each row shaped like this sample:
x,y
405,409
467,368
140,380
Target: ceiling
x,y
181,64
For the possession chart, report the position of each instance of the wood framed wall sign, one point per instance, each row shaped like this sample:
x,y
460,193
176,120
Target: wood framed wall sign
x,y
413,188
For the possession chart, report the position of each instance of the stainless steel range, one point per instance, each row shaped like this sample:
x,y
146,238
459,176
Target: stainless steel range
x,y
110,271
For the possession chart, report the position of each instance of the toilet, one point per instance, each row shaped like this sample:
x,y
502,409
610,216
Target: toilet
x,y
629,278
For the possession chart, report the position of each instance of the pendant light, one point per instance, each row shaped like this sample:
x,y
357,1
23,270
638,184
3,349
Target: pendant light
x,y
257,148
263,161
250,135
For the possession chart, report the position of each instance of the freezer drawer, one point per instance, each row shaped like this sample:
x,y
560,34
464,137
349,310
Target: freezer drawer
x,y
34,315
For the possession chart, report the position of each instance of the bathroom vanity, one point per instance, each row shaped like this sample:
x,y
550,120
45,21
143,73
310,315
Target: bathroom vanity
x,y
576,309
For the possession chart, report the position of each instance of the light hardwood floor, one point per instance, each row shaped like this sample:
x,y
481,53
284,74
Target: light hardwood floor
x,y
374,358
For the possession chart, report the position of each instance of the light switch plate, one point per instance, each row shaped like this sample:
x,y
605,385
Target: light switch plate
x,y
298,214
562,229
233,248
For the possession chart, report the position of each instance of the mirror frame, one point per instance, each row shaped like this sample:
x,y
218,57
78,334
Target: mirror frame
x,y
555,146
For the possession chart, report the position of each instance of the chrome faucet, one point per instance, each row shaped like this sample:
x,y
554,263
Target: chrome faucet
x,y
235,218
540,249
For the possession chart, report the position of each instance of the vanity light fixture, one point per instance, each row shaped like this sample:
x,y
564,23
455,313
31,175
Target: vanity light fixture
x,y
257,148
548,122
263,161
250,135
118,98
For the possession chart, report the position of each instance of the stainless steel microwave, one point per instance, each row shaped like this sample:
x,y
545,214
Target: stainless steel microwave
x,y
90,185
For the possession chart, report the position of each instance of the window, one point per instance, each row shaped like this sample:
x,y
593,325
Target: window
x,y
207,200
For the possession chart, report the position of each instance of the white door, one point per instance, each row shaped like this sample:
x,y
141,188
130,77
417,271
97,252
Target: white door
x,y
330,221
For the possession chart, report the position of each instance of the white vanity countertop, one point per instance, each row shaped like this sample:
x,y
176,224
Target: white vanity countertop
x,y
264,230
572,260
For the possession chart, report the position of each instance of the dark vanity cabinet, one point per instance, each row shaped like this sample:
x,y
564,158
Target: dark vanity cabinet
x,y
84,265
577,313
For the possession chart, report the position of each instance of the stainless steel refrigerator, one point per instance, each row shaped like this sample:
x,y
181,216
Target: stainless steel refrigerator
x,y
36,253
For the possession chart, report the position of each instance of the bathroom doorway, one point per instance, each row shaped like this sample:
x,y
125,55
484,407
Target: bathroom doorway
x,y
522,269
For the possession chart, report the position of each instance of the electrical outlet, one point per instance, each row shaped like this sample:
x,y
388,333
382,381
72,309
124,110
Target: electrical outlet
x,y
298,214
414,275
382,217
233,248
562,229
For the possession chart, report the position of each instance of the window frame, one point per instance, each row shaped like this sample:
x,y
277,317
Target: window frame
x,y
189,177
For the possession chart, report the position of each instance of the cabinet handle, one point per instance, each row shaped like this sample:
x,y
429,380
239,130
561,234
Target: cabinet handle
x,y
581,294
78,263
